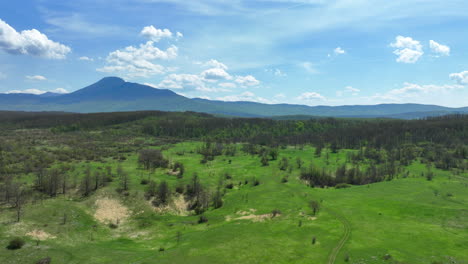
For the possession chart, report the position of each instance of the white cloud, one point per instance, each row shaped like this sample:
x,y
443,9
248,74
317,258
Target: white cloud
x,y
179,35
245,96
280,96
247,80
36,77
309,67
85,58
60,91
439,49
30,42
339,51
216,74
228,85
460,77
182,81
352,89
137,61
276,72
37,91
215,64
407,49
412,91
311,96
156,34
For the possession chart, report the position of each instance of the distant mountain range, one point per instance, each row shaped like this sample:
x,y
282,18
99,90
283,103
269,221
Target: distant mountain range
x,y
114,94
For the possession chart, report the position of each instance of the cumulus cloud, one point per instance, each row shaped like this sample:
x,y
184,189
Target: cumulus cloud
x,y
85,58
137,61
408,50
460,77
36,77
182,81
215,64
155,34
228,85
60,91
245,96
216,74
439,49
247,80
311,96
37,91
30,42
339,51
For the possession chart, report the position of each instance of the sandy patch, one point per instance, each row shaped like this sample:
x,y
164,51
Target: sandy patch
x,y
177,206
249,215
40,235
110,211
255,218
173,173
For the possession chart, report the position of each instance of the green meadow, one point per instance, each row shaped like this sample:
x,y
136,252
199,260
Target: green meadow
x,y
266,215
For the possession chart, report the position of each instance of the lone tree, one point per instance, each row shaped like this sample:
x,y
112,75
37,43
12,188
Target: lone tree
x,y
163,194
283,164
315,206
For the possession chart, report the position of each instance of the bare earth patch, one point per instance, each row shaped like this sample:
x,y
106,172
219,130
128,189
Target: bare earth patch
x,y
40,235
249,215
177,206
110,211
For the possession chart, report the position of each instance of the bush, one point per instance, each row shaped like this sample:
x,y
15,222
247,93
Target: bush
x,y
202,219
229,186
144,182
342,185
275,212
16,243
112,226
256,182
45,260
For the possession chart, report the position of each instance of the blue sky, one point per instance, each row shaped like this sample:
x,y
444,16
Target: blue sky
x,y
312,52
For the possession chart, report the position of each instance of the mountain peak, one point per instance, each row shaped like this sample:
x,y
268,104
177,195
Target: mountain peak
x,y
111,80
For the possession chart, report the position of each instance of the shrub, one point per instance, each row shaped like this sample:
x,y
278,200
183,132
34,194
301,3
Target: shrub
x,y
387,257
275,212
144,182
256,182
16,243
229,186
112,226
202,219
314,240
45,260
342,185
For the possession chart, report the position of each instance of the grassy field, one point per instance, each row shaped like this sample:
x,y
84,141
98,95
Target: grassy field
x,y
406,220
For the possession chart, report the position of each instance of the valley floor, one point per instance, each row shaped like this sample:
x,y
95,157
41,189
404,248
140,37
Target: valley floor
x,y
406,220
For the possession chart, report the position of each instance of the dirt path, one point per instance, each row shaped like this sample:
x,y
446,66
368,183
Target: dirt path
x,y
347,234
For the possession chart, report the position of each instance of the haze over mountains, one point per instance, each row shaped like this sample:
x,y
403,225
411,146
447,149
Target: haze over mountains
x,y
114,94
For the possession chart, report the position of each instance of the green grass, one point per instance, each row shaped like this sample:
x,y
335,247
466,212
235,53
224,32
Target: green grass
x,y
403,218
